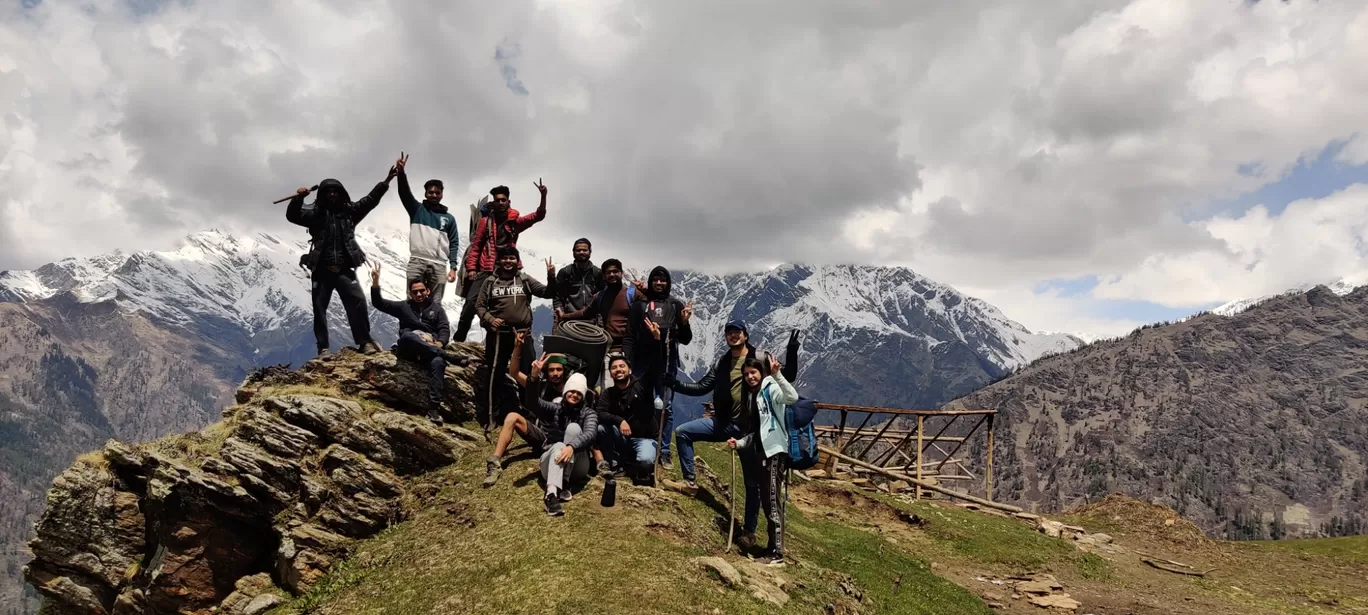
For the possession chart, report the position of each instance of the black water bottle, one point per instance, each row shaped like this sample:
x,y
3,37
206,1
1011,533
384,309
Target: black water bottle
x,y
609,492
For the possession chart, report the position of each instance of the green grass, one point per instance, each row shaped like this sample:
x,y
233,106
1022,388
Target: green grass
x,y
475,550
1347,548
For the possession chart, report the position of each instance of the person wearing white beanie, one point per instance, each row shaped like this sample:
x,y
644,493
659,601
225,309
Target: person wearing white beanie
x,y
573,426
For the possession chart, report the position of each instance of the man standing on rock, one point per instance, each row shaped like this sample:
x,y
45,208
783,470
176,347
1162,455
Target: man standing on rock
x,y
423,332
495,231
434,241
656,327
334,254
504,305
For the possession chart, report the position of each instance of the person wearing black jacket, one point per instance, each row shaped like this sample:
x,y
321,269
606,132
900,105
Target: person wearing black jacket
x,y
423,332
627,421
579,281
725,382
656,327
335,255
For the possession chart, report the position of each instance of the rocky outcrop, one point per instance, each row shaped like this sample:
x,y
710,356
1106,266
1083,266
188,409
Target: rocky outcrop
x,y
267,500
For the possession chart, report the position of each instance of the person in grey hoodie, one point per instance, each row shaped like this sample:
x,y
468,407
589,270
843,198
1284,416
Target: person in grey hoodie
x,y
504,306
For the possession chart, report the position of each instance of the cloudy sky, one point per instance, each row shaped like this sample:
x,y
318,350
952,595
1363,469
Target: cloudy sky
x,y
1085,165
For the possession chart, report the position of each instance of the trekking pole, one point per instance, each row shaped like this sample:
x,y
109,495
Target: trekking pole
x,y
279,201
664,408
731,503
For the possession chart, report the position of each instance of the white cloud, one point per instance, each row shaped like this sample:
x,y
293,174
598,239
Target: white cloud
x,y
990,145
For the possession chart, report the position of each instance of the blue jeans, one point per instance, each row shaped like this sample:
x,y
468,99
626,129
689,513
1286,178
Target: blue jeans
x,y
654,383
613,444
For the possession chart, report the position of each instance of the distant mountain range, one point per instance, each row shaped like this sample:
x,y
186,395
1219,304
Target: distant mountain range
x,y
142,344
1254,425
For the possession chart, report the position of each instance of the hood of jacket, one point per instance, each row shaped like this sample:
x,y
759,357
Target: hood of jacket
x,y
435,206
658,271
332,183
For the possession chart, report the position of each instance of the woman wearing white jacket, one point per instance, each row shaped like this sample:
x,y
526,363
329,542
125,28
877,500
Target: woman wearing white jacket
x,y
767,440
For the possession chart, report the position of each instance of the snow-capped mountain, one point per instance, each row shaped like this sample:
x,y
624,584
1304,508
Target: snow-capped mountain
x,y
254,284
1341,287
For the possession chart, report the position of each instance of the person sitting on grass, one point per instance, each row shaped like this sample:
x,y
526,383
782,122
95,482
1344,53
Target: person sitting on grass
x,y
535,387
571,426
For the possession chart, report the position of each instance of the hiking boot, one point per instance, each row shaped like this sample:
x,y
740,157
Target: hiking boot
x,y
746,541
770,558
370,348
323,352
604,468
493,468
566,495
553,505
666,459
435,416
688,488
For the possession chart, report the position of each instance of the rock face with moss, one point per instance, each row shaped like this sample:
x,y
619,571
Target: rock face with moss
x,y
281,487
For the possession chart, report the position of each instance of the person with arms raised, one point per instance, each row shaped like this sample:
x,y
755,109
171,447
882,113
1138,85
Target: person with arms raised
x,y
495,231
334,254
434,241
423,332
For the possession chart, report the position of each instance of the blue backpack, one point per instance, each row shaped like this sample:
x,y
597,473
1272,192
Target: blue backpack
x,y
802,438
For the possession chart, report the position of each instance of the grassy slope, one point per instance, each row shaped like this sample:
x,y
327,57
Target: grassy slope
x,y
472,550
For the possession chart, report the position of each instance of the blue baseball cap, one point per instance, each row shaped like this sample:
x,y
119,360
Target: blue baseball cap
x,y
736,324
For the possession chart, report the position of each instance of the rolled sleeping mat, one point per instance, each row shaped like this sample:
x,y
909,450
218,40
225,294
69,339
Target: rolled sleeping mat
x,y
582,340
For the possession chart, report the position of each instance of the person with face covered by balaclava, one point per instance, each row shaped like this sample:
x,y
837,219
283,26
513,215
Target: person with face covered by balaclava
x,y
334,254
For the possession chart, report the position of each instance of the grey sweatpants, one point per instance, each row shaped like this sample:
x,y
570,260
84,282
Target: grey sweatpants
x,y
433,275
554,473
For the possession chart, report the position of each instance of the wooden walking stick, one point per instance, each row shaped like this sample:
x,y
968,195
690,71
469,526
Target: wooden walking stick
x,y
279,201
731,503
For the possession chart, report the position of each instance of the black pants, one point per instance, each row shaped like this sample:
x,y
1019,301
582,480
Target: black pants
x,y
773,493
325,281
471,291
413,348
498,354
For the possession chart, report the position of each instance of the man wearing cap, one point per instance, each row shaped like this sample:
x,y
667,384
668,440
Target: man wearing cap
x,y
545,383
497,230
724,381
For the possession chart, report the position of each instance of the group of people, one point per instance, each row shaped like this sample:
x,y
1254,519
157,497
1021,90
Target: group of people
x,y
621,425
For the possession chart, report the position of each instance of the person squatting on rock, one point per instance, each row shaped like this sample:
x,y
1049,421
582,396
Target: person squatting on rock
x,y
497,230
334,254
434,241
571,427
763,399
627,423
423,332
579,281
504,305
656,326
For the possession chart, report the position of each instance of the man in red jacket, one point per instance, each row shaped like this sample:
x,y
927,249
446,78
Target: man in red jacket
x,y
499,228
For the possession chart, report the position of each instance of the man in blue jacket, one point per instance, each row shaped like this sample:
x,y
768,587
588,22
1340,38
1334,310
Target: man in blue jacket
x,y
434,241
